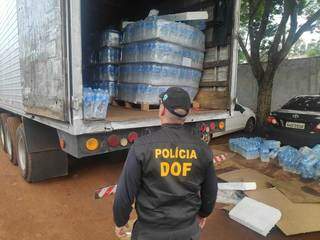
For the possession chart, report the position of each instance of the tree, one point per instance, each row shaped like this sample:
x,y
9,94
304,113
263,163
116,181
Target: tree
x,y
272,28
313,49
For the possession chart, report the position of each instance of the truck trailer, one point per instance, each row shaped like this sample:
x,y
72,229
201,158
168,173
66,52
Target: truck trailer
x,y
42,58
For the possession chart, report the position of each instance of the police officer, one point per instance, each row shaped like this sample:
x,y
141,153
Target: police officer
x,y
170,176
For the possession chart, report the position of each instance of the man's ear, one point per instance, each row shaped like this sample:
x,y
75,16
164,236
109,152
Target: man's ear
x,y
162,110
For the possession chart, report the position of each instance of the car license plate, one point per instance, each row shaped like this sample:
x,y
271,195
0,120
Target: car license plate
x,y
295,125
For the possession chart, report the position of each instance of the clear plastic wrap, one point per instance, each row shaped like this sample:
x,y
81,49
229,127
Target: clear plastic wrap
x,y
264,153
272,144
110,38
249,148
162,52
95,103
142,93
108,86
109,55
309,163
108,72
175,32
289,158
159,74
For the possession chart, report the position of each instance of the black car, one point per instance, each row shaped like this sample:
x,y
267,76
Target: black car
x,y
297,123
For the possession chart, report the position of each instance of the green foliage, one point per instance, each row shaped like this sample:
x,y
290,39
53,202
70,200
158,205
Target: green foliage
x,y
305,8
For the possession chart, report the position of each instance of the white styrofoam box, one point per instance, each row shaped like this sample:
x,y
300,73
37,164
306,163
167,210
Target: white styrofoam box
x,y
241,186
186,16
209,75
223,53
222,73
211,55
255,215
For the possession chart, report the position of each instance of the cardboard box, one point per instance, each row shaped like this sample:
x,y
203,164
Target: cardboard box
x,y
296,217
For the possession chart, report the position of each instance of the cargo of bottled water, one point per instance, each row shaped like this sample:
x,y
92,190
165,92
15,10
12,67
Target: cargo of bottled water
x,y
159,75
264,153
110,38
174,32
309,163
272,144
142,93
289,159
109,55
249,148
108,72
108,86
162,52
95,103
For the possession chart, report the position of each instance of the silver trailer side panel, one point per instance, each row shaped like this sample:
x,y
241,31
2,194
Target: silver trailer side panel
x,y
234,54
10,78
43,55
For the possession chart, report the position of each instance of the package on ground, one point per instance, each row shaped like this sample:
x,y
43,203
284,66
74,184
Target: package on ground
x,y
305,161
255,215
241,186
252,148
247,175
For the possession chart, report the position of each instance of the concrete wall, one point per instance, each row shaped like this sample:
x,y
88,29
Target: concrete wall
x,y
294,77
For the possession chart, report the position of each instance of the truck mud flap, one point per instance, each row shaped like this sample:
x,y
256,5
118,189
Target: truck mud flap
x,y
45,159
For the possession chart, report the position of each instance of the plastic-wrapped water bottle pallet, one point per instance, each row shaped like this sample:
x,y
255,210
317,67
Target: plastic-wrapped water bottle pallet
x,y
146,107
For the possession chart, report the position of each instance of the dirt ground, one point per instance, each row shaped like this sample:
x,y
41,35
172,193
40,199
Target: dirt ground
x,y
65,208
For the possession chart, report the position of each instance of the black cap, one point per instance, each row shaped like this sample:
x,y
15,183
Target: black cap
x,y
176,98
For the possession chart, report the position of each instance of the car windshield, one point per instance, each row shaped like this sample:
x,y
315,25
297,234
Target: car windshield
x,y
304,103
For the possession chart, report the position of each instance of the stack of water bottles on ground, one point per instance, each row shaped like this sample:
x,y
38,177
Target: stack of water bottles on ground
x,y
158,54
305,161
100,86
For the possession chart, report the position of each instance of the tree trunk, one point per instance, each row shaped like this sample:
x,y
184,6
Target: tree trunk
x,y
264,97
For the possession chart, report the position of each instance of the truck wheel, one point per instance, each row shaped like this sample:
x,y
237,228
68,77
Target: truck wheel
x,y
23,158
250,125
11,145
3,119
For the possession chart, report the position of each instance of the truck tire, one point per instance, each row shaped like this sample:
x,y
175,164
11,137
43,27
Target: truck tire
x,y
37,159
11,145
23,156
250,125
3,119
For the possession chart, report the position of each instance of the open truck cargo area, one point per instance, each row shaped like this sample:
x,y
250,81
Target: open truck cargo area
x,y
45,48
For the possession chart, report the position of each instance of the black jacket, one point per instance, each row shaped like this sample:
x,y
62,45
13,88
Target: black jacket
x,y
171,176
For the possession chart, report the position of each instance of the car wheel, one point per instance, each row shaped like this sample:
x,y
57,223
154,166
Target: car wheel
x,y
250,125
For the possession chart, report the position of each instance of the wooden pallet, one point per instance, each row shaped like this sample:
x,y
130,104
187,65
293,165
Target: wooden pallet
x,y
146,107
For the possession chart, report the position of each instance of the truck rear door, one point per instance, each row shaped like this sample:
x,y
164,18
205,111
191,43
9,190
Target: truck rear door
x,y
43,57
